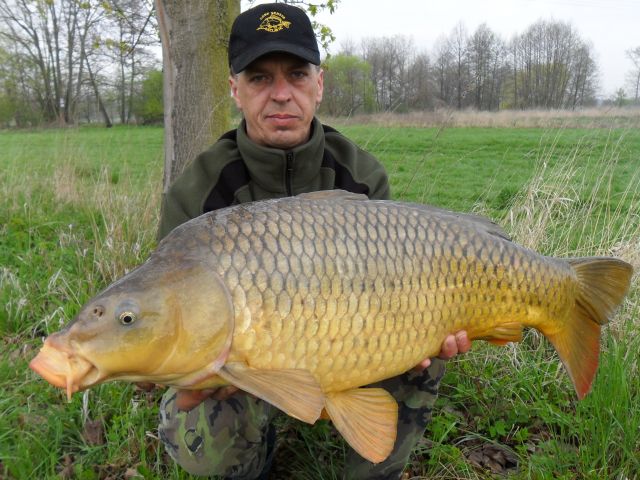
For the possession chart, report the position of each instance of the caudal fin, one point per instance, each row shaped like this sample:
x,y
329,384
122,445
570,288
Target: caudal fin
x,y
603,283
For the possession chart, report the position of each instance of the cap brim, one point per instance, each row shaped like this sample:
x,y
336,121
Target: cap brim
x,y
243,60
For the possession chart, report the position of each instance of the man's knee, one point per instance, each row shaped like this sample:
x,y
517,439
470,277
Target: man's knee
x,y
225,438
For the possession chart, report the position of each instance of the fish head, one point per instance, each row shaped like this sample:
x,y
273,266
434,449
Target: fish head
x,y
169,321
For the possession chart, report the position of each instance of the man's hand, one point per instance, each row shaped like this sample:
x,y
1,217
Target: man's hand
x,y
452,345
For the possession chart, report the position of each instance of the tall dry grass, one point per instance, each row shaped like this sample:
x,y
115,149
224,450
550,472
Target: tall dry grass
x,y
569,209
603,117
93,227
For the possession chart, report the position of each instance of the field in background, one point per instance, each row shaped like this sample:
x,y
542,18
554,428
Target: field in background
x,y
78,208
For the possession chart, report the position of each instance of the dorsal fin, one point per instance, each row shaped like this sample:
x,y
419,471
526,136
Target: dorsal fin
x,y
332,195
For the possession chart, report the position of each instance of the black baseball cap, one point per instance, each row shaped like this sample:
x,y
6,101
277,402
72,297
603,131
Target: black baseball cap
x,y
271,27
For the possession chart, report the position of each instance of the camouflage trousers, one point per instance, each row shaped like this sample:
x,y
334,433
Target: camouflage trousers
x,y
234,438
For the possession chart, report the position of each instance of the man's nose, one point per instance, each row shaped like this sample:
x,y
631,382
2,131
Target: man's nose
x,y
281,89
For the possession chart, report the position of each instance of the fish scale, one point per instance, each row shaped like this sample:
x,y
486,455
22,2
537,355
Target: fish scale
x,y
302,301
385,297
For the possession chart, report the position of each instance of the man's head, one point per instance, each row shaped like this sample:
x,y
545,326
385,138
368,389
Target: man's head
x,y
268,28
275,76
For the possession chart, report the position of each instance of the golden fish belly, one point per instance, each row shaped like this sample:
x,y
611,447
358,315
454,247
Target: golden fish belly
x,y
362,292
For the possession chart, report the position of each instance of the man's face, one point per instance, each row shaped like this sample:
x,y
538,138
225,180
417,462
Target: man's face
x,y
278,95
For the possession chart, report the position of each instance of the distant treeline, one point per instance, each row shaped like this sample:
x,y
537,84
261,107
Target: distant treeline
x,y
66,61
547,66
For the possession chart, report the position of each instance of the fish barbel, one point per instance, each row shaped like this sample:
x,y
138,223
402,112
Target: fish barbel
x,y
303,300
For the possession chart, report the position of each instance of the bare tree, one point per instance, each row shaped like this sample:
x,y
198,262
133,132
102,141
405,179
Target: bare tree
x,y
57,44
90,25
552,67
458,48
633,54
486,59
581,87
444,70
131,30
419,83
390,59
44,33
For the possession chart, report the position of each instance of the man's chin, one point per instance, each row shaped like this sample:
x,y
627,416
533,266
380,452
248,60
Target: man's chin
x,y
286,139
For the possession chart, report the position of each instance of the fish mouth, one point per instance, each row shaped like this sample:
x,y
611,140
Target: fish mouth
x,y
64,370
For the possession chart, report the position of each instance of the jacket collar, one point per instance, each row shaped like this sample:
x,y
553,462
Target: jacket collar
x,y
268,166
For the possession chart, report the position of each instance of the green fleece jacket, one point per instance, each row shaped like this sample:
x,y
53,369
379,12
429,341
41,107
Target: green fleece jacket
x,y
236,170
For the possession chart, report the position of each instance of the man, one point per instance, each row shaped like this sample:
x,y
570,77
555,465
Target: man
x,y
280,149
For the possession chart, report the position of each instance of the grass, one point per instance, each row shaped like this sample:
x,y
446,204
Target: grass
x,y
78,208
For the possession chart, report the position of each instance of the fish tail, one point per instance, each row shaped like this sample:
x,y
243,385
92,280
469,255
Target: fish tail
x,y
603,283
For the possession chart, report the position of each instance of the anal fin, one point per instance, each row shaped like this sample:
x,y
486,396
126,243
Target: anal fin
x,y
295,392
368,420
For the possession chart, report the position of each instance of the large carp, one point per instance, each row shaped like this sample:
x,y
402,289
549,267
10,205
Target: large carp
x,y
301,301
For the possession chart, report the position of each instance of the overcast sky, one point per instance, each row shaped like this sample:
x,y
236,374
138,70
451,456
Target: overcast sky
x,y
612,26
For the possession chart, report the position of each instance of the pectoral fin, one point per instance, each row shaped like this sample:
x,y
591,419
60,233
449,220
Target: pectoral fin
x,y
368,420
295,392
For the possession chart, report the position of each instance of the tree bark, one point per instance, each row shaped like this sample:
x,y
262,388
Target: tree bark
x,y
194,37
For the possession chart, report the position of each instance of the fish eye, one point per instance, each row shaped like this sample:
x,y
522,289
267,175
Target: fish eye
x,y
127,318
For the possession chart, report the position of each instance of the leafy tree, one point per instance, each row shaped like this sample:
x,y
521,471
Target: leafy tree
x,y
620,98
148,106
15,107
348,88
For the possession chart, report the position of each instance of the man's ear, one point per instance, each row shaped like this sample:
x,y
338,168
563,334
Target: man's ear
x,y
233,83
320,86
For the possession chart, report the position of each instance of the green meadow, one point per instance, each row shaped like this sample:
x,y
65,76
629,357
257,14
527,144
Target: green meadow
x,y
79,208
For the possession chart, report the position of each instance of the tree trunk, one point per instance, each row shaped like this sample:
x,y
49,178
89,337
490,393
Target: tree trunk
x,y
194,39
94,85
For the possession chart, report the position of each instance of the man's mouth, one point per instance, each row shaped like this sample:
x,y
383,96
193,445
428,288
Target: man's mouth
x,y
282,117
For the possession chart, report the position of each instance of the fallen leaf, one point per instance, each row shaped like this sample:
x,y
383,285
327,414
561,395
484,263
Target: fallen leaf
x,y
493,457
93,432
66,472
132,473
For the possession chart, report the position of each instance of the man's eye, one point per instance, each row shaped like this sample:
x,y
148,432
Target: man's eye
x,y
257,78
299,74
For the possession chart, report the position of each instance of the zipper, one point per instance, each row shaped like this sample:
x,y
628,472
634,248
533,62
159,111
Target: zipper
x,y
289,174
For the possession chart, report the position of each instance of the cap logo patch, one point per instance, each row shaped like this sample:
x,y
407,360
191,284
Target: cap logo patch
x,y
273,22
